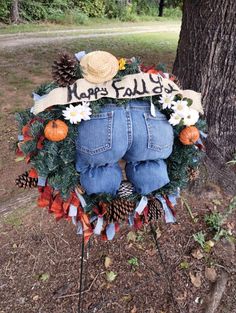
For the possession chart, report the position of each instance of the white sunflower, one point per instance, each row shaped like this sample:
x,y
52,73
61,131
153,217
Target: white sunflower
x,y
175,119
166,101
77,113
191,117
180,107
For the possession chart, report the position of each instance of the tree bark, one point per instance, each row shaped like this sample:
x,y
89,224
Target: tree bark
x,y
161,7
206,62
15,16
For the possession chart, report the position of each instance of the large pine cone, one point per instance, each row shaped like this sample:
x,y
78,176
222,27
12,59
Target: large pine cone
x,y
119,210
24,181
63,70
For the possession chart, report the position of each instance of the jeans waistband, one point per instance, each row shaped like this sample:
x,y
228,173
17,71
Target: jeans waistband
x,y
132,104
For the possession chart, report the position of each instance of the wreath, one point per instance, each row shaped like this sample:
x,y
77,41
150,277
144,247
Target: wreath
x,y
47,141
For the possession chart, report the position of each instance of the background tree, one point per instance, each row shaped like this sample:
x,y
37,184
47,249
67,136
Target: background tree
x,y
161,7
15,16
206,62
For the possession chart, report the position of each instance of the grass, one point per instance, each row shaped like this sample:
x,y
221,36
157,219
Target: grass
x,y
15,218
92,23
24,69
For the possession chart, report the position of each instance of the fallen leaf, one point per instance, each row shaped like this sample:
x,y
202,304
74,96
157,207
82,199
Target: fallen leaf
x,y
208,245
44,277
231,225
195,280
184,265
134,310
158,233
138,246
36,297
216,202
210,274
108,262
19,159
197,254
111,276
131,236
127,298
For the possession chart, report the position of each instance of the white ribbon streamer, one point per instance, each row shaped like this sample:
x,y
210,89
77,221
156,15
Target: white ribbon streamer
x,y
97,230
152,108
72,210
81,198
79,228
79,55
142,204
73,213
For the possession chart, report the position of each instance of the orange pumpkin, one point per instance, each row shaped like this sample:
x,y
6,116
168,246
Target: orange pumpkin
x,y
189,135
56,130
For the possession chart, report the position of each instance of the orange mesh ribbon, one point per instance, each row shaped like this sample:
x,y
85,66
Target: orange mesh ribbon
x,y
57,207
86,226
170,204
33,173
45,196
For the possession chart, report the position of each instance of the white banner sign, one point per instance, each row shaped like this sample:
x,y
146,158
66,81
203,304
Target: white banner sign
x,y
129,87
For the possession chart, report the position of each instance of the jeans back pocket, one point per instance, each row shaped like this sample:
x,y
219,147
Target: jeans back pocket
x,y
95,135
160,132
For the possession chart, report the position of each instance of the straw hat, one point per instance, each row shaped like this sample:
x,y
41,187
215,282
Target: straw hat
x,y
99,66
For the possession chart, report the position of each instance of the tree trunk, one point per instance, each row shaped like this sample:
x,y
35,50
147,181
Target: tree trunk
x,y
15,16
161,7
206,62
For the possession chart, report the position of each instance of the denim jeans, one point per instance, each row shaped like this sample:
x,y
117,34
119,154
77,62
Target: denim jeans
x,y
130,133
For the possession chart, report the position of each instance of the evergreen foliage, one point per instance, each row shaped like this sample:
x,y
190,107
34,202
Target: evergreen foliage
x,y
45,88
54,160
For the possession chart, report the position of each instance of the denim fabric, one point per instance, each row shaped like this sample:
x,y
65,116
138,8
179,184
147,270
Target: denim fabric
x,y
147,176
130,133
102,179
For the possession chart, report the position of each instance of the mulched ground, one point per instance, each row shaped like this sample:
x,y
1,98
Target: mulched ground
x,y
40,265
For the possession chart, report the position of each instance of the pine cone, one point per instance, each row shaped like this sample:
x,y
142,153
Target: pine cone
x,y
193,173
119,209
126,189
154,211
24,181
63,70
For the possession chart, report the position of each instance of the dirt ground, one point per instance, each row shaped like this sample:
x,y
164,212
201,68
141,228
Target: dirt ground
x,y
40,258
40,265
